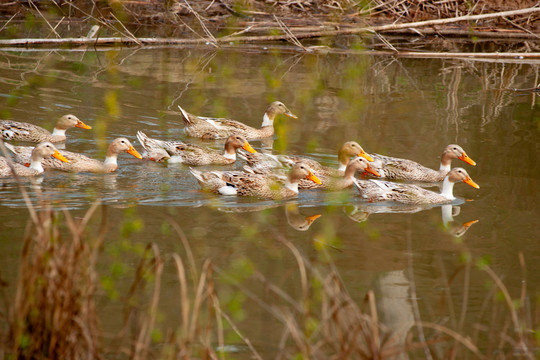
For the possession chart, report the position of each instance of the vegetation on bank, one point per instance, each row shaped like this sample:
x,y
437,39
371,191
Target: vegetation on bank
x,y
225,21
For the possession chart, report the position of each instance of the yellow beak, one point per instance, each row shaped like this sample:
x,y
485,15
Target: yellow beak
x,y
469,181
82,125
134,152
467,159
248,147
59,156
313,178
366,156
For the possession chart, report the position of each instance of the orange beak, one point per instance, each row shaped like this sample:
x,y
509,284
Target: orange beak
x,y
134,152
290,114
468,224
248,147
467,159
82,125
59,156
372,171
313,178
469,181
312,218
366,156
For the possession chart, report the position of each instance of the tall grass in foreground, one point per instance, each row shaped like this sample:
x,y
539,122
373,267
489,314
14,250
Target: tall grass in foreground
x,y
53,313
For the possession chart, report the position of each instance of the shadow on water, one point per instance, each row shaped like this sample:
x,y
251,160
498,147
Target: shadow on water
x,y
301,277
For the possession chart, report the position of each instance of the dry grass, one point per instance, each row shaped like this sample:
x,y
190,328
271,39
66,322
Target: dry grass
x,y
53,315
53,312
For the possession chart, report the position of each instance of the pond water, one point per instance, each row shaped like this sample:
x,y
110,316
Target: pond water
x,y
413,258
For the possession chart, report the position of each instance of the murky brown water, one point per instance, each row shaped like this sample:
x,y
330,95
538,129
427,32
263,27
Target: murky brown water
x,y
410,108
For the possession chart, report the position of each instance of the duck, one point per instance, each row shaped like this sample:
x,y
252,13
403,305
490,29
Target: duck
x,y
393,168
263,162
219,128
78,162
190,154
346,180
154,149
21,131
255,185
378,190
41,151
359,164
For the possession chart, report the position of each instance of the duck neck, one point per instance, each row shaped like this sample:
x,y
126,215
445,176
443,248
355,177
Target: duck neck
x,y
35,163
268,119
349,173
230,152
293,186
343,159
448,189
111,163
58,135
446,162
59,132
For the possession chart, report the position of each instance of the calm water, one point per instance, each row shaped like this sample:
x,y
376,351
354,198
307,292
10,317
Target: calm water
x,y
409,108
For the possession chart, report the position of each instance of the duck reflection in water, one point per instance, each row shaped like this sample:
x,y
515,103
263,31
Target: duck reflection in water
x,y
456,230
295,219
361,212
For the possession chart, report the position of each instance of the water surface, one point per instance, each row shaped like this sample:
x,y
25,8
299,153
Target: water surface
x,y
410,108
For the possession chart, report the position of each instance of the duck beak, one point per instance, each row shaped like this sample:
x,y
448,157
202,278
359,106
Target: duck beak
x,y
365,155
134,152
469,181
313,178
59,156
82,125
468,224
372,171
248,147
312,218
467,159
290,114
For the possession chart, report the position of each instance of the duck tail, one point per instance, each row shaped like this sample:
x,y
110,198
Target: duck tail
x,y
197,174
10,147
143,138
187,117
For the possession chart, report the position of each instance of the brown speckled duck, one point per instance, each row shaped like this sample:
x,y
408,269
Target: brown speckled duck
x,y
404,169
21,131
257,185
41,151
81,163
218,128
377,190
190,154
262,162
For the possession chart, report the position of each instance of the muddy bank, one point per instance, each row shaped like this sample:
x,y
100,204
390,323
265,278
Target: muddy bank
x,y
196,18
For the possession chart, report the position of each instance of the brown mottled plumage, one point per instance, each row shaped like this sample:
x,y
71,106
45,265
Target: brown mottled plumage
x,y
21,131
249,184
219,128
41,151
404,169
377,190
262,162
190,154
81,163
